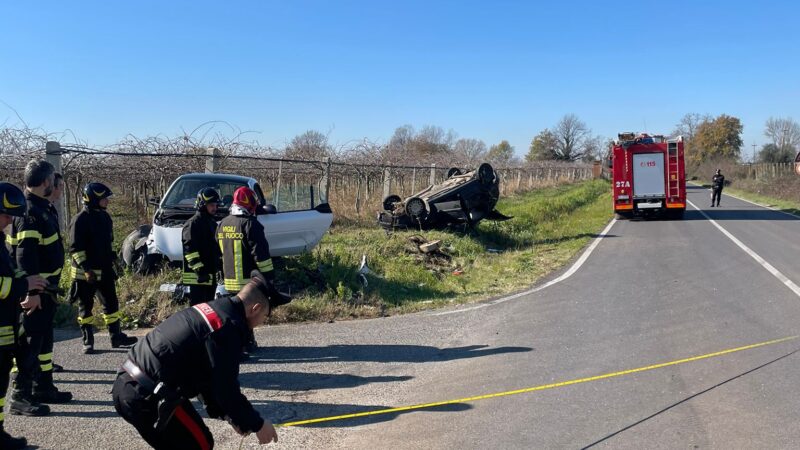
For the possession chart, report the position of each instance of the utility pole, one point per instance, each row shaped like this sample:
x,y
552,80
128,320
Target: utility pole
x,y
754,152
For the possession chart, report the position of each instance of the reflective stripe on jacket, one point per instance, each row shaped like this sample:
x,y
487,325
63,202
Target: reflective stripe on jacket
x,y
244,249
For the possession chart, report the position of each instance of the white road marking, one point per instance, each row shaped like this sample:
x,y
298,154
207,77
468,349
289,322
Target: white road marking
x,y
561,278
770,268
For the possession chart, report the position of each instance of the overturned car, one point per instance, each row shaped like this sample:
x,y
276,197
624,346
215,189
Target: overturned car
x,y
463,198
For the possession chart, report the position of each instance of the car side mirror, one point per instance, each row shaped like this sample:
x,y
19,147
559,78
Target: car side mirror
x,y
155,201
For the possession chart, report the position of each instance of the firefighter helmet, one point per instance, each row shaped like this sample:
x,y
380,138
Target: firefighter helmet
x,y
246,199
205,196
94,192
12,200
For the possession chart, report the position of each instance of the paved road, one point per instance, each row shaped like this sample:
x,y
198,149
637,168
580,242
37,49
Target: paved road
x,y
651,292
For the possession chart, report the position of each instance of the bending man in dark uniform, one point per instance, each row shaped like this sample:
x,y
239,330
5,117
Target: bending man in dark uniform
x,y
195,353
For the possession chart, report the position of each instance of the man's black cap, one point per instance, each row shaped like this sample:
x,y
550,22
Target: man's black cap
x,y
268,289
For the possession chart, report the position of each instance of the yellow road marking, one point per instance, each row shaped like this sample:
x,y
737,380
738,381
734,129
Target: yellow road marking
x,y
535,388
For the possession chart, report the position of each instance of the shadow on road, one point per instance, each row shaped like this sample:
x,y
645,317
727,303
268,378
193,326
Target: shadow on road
x,y
301,381
375,353
282,412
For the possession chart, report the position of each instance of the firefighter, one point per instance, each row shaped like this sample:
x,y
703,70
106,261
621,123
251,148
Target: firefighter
x,y
244,246
37,248
716,187
13,289
201,253
92,258
194,353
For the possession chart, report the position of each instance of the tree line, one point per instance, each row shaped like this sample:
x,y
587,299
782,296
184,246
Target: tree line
x,y
709,138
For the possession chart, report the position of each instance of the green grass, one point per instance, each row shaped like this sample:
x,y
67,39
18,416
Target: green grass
x,y
549,227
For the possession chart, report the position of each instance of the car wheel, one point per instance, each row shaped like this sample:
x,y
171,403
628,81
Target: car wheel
x,y
143,263
130,242
390,200
486,173
415,207
134,255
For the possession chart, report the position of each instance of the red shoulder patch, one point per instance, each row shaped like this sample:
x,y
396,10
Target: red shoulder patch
x,y
210,316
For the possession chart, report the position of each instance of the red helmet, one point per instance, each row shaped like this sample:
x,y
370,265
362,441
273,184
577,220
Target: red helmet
x,y
245,198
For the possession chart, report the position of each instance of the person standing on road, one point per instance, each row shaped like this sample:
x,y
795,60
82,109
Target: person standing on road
x,y
717,182
195,353
13,289
201,253
92,258
37,248
244,246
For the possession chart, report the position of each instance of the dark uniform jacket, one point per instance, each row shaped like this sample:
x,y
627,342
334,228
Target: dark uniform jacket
x,y
12,288
717,182
91,234
201,252
196,356
35,241
244,249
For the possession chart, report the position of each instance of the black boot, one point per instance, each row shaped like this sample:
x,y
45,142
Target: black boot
x,y
23,404
88,339
8,442
118,338
44,391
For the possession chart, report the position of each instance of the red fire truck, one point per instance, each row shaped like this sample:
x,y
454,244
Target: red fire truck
x,y
648,176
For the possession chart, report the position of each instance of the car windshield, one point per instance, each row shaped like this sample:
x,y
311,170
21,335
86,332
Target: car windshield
x,y
184,193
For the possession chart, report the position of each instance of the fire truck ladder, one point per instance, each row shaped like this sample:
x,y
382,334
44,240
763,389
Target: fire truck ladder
x,y
673,182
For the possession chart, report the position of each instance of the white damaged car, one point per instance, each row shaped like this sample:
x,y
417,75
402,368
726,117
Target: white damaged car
x,y
292,231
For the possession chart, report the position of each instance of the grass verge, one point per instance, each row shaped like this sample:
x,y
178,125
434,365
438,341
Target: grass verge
x,y
549,227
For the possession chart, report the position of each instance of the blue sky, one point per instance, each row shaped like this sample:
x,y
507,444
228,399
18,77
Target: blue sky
x,y
487,70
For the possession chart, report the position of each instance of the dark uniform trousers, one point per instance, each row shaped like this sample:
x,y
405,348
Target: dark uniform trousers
x,y
106,292
38,327
716,194
185,430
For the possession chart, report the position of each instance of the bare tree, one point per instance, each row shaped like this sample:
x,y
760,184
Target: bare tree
x,y
311,145
784,133
687,127
469,151
433,140
571,135
595,148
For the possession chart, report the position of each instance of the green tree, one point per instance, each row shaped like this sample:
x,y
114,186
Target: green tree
x,y
543,147
501,153
720,138
771,153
